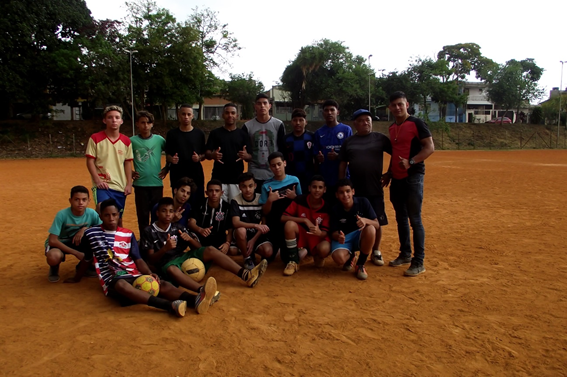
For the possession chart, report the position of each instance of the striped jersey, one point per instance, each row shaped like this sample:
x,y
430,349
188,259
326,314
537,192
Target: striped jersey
x,y
248,211
114,252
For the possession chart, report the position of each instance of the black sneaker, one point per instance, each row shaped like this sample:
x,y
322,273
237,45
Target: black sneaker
x,y
399,262
53,275
349,264
415,269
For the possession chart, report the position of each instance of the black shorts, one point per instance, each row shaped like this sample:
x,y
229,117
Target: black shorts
x,y
122,300
250,233
377,203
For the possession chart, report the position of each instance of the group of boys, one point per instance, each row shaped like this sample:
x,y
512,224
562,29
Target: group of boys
x,y
260,212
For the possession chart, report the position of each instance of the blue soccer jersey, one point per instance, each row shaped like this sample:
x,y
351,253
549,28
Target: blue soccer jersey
x,y
299,157
326,139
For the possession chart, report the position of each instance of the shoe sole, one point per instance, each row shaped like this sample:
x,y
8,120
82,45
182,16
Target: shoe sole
x,y
261,269
378,262
180,308
413,275
398,265
53,278
210,290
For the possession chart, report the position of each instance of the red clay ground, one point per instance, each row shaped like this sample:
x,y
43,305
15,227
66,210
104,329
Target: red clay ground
x,y
491,303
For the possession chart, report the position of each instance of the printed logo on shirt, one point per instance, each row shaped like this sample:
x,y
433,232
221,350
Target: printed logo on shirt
x,y
319,220
303,215
219,216
342,221
122,244
340,135
243,215
309,145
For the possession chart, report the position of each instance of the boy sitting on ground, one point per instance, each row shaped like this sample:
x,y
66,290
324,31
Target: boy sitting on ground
x,y
249,232
181,205
118,264
306,227
167,245
67,230
353,227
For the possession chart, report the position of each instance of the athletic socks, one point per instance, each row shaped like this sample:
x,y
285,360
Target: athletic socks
x,y
291,246
186,296
362,259
243,273
160,303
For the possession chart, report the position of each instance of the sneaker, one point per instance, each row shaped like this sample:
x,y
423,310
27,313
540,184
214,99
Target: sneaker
x,y
415,269
399,262
349,264
248,263
291,269
216,297
256,273
179,307
361,273
318,262
377,258
205,296
53,275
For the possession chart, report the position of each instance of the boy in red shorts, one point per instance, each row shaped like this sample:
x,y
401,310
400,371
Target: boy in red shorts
x,y
306,227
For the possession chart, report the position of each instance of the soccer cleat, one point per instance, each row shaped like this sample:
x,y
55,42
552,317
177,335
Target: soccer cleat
x,y
291,269
256,273
248,263
415,269
361,273
377,258
399,262
53,275
349,264
179,307
205,296
216,297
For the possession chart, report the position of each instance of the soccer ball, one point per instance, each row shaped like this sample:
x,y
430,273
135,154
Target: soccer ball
x,y
148,284
194,268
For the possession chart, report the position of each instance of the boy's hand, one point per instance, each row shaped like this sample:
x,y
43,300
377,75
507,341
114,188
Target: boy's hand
x,y
360,222
127,190
385,179
320,157
314,230
170,243
217,156
195,157
163,172
274,195
175,159
185,236
224,247
332,155
341,237
177,215
243,155
102,185
308,223
205,232
262,228
404,163
291,194
136,175
155,277
249,248
79,236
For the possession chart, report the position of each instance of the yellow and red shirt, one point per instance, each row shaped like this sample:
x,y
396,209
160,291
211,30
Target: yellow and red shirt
x,y
109,158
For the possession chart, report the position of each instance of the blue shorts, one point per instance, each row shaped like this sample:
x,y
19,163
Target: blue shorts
x,y
352,242
100,195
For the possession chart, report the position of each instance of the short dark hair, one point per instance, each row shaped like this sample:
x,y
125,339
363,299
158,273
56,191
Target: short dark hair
x,y
109,203
275,155
245,177
185,181
298,113
214,182
79,189
146,114
230,104
317,177
262,95
344,182
165,201
187,106
330,102
397,95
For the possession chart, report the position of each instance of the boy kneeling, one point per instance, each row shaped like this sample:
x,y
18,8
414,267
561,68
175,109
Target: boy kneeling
x,y
306,226
118,264
353,227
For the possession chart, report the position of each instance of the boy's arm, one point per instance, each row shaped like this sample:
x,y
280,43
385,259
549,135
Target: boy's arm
x,y
94,175
272,197
55,243
342,169
128,171
205,232
363,221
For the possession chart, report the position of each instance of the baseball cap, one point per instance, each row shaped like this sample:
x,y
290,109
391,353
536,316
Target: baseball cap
x,y
360,112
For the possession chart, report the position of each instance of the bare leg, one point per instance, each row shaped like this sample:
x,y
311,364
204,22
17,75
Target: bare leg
x,y
54,257
378,239
222,260
183,280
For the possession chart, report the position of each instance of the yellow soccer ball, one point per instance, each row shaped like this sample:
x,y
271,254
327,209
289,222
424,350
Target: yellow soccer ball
x,y
148,284
194,268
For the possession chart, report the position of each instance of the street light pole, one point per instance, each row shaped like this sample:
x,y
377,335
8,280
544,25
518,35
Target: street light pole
x,y
132,89
369,56
559,117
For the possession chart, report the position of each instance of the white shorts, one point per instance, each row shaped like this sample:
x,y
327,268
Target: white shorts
x,y
230,192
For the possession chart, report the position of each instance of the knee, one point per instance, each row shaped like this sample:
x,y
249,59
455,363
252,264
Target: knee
x,y
369,231
54,257
240,233
290,226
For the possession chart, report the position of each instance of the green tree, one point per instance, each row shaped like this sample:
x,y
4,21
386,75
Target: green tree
x,y
515,84
39,50
242,89
550,109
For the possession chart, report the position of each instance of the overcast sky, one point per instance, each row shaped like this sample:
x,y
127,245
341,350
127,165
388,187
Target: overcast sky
x,y
271,33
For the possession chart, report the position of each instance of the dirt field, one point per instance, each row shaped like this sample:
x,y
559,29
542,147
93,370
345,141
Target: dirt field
x,y
491,303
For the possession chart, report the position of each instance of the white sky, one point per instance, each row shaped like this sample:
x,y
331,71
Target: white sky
x,y
271,33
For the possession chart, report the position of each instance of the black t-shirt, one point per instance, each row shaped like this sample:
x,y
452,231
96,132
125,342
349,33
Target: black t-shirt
x,y
230,142
365,156
219,218
184,144
247,211
153,238
346,221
